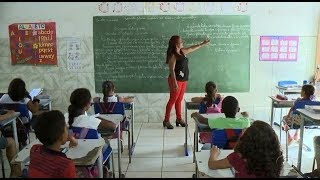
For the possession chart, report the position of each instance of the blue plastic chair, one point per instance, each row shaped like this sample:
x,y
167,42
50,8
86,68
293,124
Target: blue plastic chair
x,y
115,108
86,133
24,117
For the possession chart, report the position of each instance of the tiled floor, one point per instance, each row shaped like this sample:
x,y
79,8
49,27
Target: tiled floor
x,y
159,152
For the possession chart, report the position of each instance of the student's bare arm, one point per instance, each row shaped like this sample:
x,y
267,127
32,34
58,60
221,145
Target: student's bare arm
x,y
7,115
128,99
197,99
33,106
194,47
200,118
213,163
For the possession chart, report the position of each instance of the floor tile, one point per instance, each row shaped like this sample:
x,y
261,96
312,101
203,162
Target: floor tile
x,y
178,164
143,174
145,164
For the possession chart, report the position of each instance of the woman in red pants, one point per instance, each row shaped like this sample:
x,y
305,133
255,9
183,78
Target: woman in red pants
x,y
178,77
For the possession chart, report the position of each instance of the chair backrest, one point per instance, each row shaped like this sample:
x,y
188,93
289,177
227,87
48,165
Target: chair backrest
x,y
301,105
225,138
84,133
18,107
109,107
215,108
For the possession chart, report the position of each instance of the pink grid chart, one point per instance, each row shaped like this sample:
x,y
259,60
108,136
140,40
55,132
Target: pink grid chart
x,y
278,48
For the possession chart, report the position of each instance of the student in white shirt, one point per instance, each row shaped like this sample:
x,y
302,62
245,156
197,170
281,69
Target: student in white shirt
x,y
80,100
108,90
17,93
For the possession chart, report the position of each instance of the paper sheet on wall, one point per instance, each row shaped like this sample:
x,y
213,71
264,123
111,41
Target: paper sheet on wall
x,y
73,54
195,8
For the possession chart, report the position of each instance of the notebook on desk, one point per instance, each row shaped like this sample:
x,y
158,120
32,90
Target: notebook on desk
x,y
35,92
314,109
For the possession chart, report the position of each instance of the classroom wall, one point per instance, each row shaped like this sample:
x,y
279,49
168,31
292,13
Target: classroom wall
x,y
74,19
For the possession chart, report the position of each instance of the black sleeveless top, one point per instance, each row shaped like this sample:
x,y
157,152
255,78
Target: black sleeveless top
x,y
181,69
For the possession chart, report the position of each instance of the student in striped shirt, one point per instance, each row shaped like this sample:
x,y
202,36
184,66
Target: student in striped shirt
x,y
46,160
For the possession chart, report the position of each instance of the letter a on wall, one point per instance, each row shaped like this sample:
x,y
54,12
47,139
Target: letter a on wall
x,y
33,43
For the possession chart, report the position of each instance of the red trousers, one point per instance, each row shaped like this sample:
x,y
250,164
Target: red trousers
x,y
176,97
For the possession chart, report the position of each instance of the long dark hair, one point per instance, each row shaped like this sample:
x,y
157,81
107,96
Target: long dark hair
x,y
107,88
172,49
17,90
79,99
210,88
260,147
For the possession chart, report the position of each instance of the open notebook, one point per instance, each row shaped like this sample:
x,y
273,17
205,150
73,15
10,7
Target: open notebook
x,y
35,92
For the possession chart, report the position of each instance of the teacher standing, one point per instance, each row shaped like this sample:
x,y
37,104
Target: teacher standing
x,y
178,77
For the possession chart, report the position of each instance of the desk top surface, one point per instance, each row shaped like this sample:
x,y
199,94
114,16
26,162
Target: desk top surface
x,y
115,118
290,88
202,158
9,119
313,116
81,150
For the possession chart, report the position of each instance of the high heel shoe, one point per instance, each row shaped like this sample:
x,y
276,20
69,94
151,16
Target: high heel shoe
x,y
181,122
167,124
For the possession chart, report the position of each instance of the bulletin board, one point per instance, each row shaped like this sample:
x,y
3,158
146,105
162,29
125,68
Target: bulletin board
x,y
279,48
33,43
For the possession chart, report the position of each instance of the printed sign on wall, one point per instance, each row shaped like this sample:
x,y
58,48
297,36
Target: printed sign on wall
x,y
73,54
279,48
33,43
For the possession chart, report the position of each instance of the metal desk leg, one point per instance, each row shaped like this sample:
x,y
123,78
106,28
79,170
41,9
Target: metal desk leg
x,y
272,113
119,151
15,134
132,128
100,171
186,129
195,146
301,142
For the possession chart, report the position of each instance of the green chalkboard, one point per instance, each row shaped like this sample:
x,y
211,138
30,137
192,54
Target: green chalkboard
x,y
131,51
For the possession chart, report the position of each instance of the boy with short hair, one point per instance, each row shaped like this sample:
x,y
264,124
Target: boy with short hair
x,y
47,160
230,107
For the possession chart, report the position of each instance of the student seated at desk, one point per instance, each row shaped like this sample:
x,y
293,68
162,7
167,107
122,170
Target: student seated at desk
x,y
17,93
212,100
108,90
257,154
46,160
80,100
230,107
9,144
293,116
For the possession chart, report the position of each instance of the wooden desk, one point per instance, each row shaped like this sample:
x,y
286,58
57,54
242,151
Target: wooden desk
x,y
202,158
13,122
305,116
188,105
91,153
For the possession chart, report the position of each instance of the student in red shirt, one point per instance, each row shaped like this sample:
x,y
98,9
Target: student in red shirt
x,y
47,161
257,154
